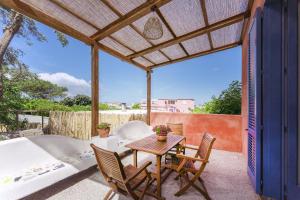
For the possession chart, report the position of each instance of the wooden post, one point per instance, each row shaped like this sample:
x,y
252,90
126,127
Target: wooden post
x,y
42,120
148,96
95,89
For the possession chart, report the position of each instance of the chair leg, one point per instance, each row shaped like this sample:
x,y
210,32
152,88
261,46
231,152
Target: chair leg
x,y
204,193
144,191
183,189
202,184
192,183
107,196
179,175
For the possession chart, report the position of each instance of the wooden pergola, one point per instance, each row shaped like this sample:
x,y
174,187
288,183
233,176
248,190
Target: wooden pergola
x,y
191,28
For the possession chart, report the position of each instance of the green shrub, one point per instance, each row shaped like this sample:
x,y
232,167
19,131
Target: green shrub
x,y
103,125
228,102
45,105
136,106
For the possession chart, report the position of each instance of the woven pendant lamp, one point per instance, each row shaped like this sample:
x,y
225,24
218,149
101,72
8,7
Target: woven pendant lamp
x,y
153,28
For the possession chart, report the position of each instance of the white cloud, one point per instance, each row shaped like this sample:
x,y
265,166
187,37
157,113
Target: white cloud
x,y
75,85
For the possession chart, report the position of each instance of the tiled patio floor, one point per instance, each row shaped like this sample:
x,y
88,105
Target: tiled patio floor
x,y
225,177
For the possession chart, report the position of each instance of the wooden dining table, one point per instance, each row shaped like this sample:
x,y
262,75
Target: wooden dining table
x,y
151,145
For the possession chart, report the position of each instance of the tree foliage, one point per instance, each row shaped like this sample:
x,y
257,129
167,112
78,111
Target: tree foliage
x,y
68,101
228,102
16,25
82,100
41,89
44,105
28,30
17,96
136,106
79,100
12,100
32,86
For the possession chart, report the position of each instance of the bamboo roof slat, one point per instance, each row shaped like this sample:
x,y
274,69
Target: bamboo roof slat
x,y
169,29
129,18
125,6
174,51
60,14
143,61
183,16
120,56
228,46
130,37
38,15
191,28
58,3
156,57
227,35
91,10
198,32
197,44
218,10
116,46
203,6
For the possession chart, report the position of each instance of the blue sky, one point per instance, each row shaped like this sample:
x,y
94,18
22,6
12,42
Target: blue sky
x,y
198,78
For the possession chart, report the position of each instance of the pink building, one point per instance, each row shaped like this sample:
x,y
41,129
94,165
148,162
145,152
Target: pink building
x,y
171,105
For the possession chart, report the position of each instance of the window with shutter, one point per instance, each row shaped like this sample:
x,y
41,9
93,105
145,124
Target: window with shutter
x,y
254,100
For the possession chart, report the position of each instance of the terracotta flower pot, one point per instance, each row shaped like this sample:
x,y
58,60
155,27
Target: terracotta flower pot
x,y
103,132
161,138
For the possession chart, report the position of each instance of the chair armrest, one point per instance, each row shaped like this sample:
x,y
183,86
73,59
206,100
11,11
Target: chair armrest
x,y
189,158
140,170
189,147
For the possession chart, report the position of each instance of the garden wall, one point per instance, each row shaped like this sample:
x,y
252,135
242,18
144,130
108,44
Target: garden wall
x,y
226,128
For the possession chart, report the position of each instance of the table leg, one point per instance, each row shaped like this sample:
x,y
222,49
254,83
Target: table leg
x,y
158,176
135,158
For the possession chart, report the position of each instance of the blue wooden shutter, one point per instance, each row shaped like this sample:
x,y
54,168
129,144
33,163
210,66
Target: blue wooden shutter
x,y
254,102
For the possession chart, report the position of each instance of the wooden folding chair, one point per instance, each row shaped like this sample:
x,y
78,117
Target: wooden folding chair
x,y
176,129
122,180
186,165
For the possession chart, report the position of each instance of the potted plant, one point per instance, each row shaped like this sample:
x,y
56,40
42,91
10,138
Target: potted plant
x,y
103,129
161,132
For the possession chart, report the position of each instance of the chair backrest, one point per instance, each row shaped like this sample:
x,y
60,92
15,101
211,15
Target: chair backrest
x,y
205,146
110,164
176,129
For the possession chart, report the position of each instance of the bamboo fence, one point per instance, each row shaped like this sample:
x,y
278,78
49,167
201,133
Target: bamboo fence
x,y
78,124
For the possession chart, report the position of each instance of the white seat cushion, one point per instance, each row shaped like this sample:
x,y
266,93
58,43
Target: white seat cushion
x,y
31,164
111,143
134,130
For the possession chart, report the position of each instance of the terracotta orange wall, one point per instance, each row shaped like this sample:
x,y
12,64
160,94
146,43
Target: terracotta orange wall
x,y
226,128
256,4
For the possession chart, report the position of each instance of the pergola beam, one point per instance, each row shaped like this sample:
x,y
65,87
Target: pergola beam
x,y
33,13
108,4
127,19
169,28
244,29
205,30
203,8
120,56
247,22
126,46
228,46
62,6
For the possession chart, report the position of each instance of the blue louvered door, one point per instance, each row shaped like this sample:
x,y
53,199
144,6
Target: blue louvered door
x,y
254,101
